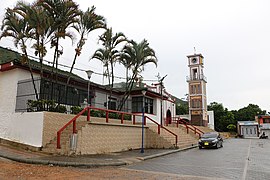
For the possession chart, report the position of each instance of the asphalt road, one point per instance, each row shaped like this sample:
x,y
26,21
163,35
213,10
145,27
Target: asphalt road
x,y
247,159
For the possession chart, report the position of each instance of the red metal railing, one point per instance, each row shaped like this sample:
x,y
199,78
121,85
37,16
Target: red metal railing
x,y
107,111
73,120
188,126
88,109
160,126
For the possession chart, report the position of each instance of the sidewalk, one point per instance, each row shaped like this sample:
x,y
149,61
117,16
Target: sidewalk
x,y
112,159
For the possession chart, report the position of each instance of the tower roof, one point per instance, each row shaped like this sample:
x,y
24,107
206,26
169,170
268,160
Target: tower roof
x,y
195,55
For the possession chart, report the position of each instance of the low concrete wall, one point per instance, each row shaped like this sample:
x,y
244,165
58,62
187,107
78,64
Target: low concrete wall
x,y
25,128
36,129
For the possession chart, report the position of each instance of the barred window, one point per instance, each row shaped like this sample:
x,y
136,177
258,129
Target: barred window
x,y
137,104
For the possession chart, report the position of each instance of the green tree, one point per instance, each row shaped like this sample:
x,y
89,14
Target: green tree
x,y
110,53
64,14
248,113
137,55
222,116
88,22
182,108
39,26
16,27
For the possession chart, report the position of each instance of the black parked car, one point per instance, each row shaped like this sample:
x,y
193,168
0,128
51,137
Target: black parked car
x,y
211,139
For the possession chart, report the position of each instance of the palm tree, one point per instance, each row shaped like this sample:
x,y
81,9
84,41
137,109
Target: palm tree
x,y
63,14
109,54
16,27
136,56
127,62
88,22
39,24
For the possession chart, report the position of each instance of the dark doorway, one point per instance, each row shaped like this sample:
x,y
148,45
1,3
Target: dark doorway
x,y
168,117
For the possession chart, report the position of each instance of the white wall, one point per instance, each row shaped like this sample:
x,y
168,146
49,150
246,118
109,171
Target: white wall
x,y
8,88
211,120
158,112
138,118
24,128
100,99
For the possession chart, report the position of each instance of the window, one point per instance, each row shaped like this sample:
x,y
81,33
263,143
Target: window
x,y
195,74
250,131
112,105
148,106
195,89
137,104
196,103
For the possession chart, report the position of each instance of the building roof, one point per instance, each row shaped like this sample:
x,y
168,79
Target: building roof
x,y
14,60
195,55
247,123
7,55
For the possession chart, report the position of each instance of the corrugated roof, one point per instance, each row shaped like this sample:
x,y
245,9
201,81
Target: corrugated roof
x,y
7,55
247,123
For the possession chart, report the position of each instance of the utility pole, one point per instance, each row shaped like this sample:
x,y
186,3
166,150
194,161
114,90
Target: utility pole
x,y
161,102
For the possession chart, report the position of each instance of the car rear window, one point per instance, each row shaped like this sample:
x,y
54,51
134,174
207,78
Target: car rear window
x,y
209,135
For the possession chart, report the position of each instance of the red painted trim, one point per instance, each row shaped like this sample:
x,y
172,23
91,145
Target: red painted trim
x,y
7,66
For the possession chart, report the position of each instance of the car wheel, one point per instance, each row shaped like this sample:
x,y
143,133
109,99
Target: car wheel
x,y
200,147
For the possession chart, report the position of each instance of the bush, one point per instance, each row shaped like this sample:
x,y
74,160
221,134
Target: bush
x,y
114,115
127,116
231,127
76,109
49,105
44,105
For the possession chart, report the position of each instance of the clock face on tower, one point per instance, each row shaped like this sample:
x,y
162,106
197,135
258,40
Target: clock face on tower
x,y
194,60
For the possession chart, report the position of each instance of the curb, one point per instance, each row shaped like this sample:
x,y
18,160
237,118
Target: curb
x,y
165,153
78,164
60,163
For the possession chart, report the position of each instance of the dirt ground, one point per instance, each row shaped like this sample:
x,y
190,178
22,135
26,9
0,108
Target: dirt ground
x,y
14,170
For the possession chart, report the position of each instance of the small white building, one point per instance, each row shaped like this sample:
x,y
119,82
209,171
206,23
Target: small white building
x,y
247,129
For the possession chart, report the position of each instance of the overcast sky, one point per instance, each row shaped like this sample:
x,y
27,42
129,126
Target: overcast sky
x,y
233,36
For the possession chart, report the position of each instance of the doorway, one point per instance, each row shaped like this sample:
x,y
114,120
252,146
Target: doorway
x,y
168,117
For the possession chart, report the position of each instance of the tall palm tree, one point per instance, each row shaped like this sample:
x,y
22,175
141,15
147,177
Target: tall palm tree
x,y
88,22
39,23
109,54
64,14
16,27
136,55
127,62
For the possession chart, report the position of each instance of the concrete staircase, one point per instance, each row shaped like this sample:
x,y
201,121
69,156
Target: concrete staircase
x,y
184,139
166,139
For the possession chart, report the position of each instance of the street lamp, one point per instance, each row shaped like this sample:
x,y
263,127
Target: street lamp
x,y
143,93
89,74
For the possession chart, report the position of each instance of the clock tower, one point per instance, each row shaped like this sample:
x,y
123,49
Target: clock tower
x,y
197,91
